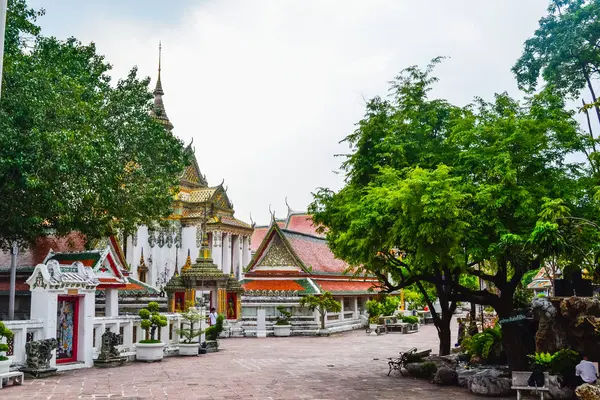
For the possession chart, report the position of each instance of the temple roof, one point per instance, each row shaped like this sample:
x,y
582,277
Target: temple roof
x,y
282,249
36,253
300,222
191,176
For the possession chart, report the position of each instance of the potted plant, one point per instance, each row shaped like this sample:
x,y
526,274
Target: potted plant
x,y
322,303
189,345
283,327
5,362
374,311
150,349
212,333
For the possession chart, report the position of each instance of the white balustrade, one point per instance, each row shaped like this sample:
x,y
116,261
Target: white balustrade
x,y
21,330
130,327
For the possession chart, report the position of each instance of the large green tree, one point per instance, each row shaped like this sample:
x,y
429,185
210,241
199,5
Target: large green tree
x,y
565,52
77,151
441,195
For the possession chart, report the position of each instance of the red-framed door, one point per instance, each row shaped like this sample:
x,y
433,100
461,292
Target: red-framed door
x,y
67,325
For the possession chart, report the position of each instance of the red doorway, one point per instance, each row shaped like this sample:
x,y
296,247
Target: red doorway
x,y
67,324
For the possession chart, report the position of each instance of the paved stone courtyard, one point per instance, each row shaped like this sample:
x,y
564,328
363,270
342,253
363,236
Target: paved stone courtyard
x,y
351,365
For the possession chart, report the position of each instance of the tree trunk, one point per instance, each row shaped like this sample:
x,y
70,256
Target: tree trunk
x,y
445,335
512,335
473,323
323,320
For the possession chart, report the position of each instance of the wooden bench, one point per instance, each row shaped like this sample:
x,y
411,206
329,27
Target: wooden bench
x,y
520,382
16,377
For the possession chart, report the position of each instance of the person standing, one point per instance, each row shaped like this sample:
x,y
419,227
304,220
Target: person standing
x,y
586,371
212,316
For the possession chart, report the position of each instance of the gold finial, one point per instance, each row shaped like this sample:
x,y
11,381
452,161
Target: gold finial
x,y
188,262
142,269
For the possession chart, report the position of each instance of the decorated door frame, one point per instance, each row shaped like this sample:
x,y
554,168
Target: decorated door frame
x,y
74,300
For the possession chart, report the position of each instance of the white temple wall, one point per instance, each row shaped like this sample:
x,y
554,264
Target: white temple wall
x,y
226,251
190,240
236,263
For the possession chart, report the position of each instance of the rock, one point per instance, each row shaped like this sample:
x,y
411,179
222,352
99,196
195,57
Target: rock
x,y
423,370
588,392
557,392
464,375
445,376
490,382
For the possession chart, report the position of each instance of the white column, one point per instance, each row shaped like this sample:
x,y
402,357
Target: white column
x,y
245,251
86,325
261,323
216,248
341,300
44,306
237,244
356,316
226,253
111,305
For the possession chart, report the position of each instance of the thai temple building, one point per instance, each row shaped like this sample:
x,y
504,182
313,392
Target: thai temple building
x,y
156,252
291,259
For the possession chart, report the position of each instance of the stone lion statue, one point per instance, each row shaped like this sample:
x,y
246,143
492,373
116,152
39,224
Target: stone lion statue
x,y
39,353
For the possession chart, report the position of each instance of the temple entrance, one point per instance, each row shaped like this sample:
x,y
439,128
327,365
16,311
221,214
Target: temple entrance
x,y
232,306
66,329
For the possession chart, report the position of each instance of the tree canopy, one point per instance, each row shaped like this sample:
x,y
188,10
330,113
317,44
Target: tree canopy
x,y
77,151
441,195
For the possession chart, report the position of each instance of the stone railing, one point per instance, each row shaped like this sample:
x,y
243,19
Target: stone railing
x,y
129,326
24,331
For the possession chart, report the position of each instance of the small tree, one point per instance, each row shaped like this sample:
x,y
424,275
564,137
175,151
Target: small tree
x,y
190,317
151,320
5,333
212,332
323,303
284,316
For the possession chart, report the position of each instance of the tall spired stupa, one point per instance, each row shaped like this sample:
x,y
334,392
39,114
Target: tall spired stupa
x,y
200,211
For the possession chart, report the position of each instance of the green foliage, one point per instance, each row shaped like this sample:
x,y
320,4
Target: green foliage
x,y
322,303
191,316
522,297
564,362
528,277
5,333
541,295
385,306
542,360
212,332
409,319
152,320
284,316
439,195
77,151
485,346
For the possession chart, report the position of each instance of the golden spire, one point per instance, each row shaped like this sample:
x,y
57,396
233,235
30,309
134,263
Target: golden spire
x,y
158,110
142,268
188,263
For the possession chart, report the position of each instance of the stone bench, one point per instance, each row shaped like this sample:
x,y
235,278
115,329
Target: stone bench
x,y
520,383
16,377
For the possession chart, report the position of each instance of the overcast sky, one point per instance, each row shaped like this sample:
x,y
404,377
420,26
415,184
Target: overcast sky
x,y
267,89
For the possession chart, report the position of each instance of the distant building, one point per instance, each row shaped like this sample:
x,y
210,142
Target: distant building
x,y
291,259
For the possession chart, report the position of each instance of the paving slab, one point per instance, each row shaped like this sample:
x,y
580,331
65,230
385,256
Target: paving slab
x,y
349,365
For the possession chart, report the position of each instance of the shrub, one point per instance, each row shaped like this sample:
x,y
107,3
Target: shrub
x,y
212,332
387,306
486,345
542,360
5,333
409,319
151,321
322,303
190,317
564,362
284,316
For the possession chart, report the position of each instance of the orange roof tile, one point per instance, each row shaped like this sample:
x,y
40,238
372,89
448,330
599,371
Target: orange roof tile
x,y
272,284
350,286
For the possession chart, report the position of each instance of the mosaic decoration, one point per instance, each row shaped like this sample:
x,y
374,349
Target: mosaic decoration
x,y
39,282
277,255
151,237
178,237
169,239
161,237
65,331
198,237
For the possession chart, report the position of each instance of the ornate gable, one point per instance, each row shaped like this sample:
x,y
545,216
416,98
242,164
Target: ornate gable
x,y
192,177
277,255
220,199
